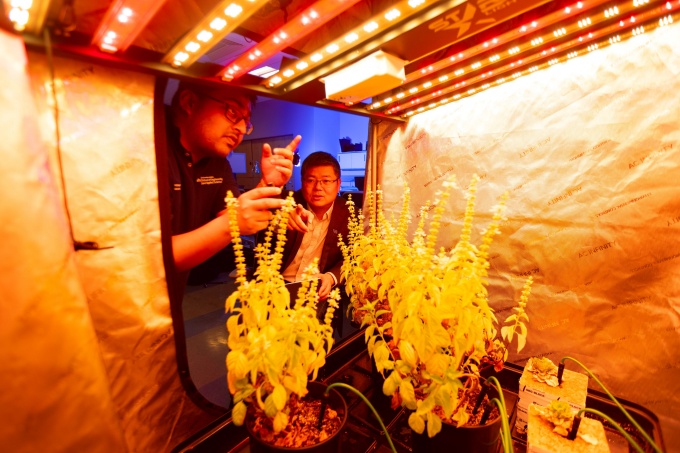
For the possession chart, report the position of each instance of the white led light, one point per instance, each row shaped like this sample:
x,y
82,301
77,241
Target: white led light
x,y
204,36
351,38
127,12
415,3
517,74
376,104
181,56
471,91
313,14
533,69
611,12
537,41
427,85
485,86
560,32
388,100
514,50
456,96
432,105
420,109
305,20
371,26
302,65
392,14
192,46
288,73
553,61
413,90
458,72
332,48
444,78
283,35
233,10
400,95
122,18
316,57
276,80
476,65
494,58
501,80
218,23
584,22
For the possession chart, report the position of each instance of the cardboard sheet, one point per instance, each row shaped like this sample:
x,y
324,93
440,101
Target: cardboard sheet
x,y
589,152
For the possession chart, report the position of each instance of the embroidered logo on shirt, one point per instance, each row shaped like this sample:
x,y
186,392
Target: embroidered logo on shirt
x,y
207,180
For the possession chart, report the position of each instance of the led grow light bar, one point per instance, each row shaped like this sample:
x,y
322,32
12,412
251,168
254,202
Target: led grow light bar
x,y
300,26
610,35
123,22
218,23
513,49
497,42
396,14
28,15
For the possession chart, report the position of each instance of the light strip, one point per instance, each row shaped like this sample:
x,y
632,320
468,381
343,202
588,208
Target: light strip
x,y
28,15
123,22
389,17
501,40
218,23
610,35
300,26
514,51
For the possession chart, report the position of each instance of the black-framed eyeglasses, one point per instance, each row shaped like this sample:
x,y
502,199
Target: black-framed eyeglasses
x,y
232,114
324,182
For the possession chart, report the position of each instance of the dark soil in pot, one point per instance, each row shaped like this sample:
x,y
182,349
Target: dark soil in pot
x,y
301,433
471,438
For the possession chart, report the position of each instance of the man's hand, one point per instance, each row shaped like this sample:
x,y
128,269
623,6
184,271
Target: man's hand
x,y
254,208
326,283
300,219
277,164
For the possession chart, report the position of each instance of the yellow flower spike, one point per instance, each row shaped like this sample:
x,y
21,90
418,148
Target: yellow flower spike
x,y
232,204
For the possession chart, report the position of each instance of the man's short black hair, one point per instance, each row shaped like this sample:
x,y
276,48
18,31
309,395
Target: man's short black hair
x,y
320,159
211,90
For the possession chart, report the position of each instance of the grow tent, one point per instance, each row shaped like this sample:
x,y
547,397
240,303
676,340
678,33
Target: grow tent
x,y
571,109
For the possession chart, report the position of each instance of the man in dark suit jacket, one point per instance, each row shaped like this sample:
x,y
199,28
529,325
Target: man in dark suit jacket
x,y
314,226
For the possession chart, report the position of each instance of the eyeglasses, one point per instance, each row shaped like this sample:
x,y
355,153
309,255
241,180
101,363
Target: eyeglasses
x,y
324,182
233,115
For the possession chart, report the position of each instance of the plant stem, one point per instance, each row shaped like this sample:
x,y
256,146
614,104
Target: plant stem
x,y
368,403
625,412
630,440
506,437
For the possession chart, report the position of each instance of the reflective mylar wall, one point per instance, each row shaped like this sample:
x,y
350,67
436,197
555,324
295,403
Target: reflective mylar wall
x,y
589,152
106,124
55,392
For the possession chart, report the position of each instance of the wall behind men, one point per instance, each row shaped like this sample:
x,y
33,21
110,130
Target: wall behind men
x,y
320,128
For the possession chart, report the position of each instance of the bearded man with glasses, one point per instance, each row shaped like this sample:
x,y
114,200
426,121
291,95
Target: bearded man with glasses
x,y
204,125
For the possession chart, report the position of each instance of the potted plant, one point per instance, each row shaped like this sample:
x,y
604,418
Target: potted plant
x,y
429,326
275,345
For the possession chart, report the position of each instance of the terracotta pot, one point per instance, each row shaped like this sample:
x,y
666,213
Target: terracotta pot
x,y
330,445
466,439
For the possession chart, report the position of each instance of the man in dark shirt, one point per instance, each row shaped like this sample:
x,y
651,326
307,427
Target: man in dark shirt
x,y
206,123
